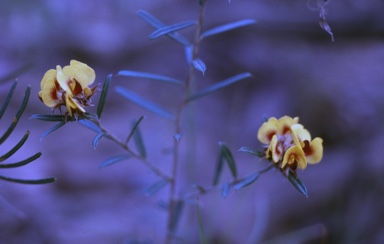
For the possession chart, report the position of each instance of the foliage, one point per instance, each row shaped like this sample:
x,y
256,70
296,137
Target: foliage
x,y
134,143
21,142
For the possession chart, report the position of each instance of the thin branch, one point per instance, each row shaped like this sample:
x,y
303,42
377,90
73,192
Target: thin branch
x,y
125,146
204,190
175,163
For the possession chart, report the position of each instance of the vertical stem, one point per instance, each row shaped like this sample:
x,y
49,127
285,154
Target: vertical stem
x,y
171,225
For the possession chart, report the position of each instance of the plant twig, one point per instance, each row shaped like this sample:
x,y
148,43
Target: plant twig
x,y
178,130
125,146
204,190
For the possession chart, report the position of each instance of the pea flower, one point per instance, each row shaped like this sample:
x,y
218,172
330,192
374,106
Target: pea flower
x,y
289,144
69,87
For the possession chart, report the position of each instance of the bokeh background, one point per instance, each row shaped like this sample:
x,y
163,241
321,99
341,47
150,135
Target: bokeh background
x,y
336,88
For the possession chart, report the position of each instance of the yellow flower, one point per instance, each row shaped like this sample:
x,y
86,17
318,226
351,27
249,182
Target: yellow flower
x,y
68,86
289,144
294,157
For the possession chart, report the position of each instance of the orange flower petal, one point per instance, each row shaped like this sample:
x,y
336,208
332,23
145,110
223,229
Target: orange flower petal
x,y
48,77
295,155
88,92
267,130
301,133
48,93
63,79
275,149
72,105
81,72
314,150
285,123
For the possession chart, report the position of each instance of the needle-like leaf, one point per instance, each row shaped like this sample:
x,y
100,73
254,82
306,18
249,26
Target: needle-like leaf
x,y
8,99
138,139
246,181
297,183
50,130
226,187
15,148
97,138
103,95
30,182
228,157
90,125
17,116
21,163
251,151
199,65
171,29
227,27
114,160
48,117
219,85
150,76
144,103
154,22
219,168
153,189
134,127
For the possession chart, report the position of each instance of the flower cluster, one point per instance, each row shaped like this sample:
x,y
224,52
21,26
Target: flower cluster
x,y
289,144
69,87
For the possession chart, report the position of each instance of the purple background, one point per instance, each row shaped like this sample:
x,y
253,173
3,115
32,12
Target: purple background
x,y
335,88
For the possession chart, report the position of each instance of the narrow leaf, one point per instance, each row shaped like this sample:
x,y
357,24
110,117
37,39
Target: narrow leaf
x,y
176,213
15,148
31,182
228,157
8,99
219,169
103,95
170,29
134,127
17,116
227,27
90,125
154,22
246,181
142,102
114,160
97,138
225,189
150,19
89,116
188,51
49,131
199,65
178,137
21,163
296,182
251,151
48,117
150,76
220,85
137,138
203,238
150,191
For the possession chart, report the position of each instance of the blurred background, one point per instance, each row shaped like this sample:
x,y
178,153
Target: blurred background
x,y
336,88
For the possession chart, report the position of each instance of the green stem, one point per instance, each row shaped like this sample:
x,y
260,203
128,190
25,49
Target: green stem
x,y
205,190
125,146
171,226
